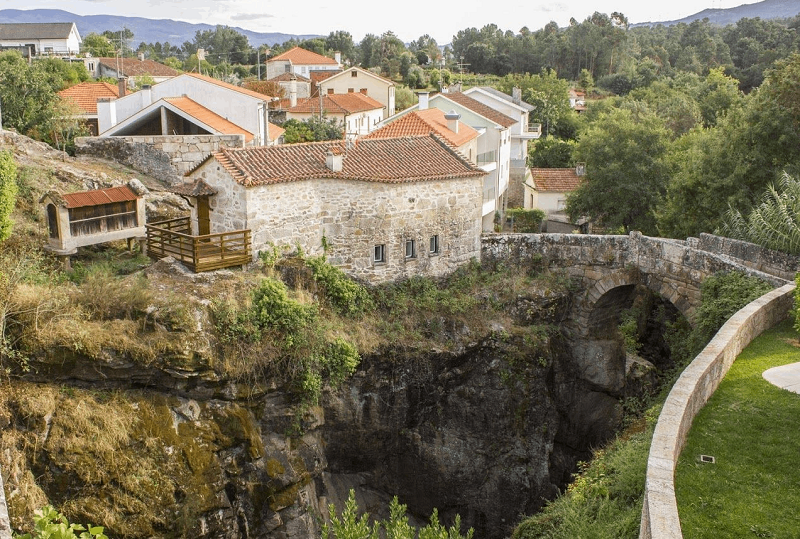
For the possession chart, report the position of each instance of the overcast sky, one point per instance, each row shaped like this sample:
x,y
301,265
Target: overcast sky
x,y
408,20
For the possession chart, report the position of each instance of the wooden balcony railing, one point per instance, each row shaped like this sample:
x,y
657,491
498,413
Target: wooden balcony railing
x,y
199,253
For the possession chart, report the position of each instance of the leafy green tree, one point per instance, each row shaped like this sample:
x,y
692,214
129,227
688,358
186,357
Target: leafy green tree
x,y
342,42
8,193
120,39
97,45
404,98
626,170
550,152
544,91
223,44
349,525
315,128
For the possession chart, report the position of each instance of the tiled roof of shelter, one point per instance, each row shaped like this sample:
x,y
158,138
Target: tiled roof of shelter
x,y
298,55
396,160
197,188
85,94
98,197
335,104
133,67
423,122
484,110
557,180
229,86
35,30
208,117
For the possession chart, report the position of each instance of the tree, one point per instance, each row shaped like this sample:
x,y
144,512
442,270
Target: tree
x,y
27,95
342,41
8,192
626,170
548,94
97,45
222,45
315,128
550,152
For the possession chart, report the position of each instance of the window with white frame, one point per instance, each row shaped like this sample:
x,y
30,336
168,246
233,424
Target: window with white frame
x,y
411,249
379,254
434,245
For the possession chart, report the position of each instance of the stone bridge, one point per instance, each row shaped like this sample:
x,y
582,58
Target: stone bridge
x,y
609,267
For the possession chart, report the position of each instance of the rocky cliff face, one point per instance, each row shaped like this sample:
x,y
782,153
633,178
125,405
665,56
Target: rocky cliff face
x,y
489,429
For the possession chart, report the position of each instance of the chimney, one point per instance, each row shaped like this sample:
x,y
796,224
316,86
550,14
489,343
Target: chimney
x,y
338,57
293,91
423,100
106,114
580,169
334,161
122,85
147,95
141,56
452,118
516,95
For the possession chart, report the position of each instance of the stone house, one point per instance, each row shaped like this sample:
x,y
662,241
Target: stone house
x,y
386,208
41,39
301,62
362,81
494,144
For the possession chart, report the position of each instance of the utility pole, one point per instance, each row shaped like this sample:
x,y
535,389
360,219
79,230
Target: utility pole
x,y
258,61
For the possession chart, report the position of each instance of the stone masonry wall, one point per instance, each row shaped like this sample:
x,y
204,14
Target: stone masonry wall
x,y
751,255
354,217
698,382
167,158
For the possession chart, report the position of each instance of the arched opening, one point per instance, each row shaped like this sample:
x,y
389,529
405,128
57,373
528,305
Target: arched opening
x,y
52,221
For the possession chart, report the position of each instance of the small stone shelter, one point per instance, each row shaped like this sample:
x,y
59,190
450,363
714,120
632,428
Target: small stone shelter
x,y
91,217
385,208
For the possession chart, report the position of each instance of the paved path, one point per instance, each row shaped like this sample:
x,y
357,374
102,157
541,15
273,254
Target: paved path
x,y
785,376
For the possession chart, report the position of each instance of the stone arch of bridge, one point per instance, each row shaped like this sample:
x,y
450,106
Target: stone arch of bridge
x,y
602,300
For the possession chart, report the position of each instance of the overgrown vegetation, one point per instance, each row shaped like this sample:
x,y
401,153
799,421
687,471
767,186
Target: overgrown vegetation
x,y
50,524
349,525
749,426
605,498
523,220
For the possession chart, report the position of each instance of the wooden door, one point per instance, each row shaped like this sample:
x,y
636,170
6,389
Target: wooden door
x,y
203,216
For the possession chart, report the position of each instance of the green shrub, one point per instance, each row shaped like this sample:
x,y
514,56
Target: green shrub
x,y
523,220
8,192
341,360
273,309
797,303
346,296
50,524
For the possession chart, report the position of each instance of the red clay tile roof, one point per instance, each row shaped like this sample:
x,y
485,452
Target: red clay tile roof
x,y
423,122
229,86
133,67
301,56
85,94
397,160
484,110
334,104
319,76
557,180
208,117
275,131
99,197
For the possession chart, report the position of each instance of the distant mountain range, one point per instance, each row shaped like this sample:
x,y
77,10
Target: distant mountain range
x,y
177,32
768,9
147,30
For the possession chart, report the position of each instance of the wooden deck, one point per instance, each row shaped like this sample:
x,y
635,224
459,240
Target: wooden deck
x,y
199,253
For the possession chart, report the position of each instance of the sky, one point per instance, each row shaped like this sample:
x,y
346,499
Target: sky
x,y
408,20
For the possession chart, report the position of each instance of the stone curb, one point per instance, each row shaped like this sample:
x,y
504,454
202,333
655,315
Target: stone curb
x,y
689,394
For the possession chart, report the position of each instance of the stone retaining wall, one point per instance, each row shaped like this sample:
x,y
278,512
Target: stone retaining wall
x,y
693,389
166,158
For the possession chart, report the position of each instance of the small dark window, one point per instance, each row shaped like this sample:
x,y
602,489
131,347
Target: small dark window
x,y
52,220
350,90
411,249
434,245
363,91
330,91
354,73
380,253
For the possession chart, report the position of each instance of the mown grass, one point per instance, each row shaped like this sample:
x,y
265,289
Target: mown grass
x,y
751,428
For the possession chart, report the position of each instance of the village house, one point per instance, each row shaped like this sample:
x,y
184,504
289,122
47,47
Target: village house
x,y
301,62
521,132
131,70
577,100
360,80
357,113
84,97
548,190
289,82
190,104
41,39
385,208
493,145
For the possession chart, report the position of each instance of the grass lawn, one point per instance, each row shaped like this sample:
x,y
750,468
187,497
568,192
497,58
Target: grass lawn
x,y
752,429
